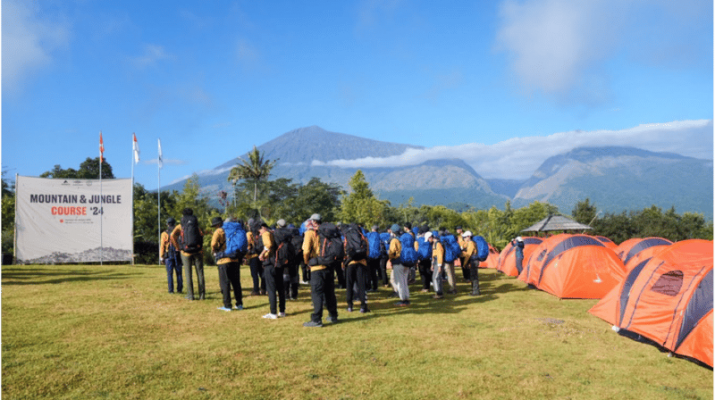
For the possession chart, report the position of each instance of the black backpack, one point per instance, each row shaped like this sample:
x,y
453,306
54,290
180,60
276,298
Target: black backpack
x,y
297,241
331,246
356,246
191,239
285,252
257,239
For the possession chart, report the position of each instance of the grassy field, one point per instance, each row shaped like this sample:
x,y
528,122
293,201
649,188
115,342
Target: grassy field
x,y
112,332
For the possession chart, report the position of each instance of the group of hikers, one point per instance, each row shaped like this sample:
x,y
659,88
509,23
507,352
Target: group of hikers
x,y
321,251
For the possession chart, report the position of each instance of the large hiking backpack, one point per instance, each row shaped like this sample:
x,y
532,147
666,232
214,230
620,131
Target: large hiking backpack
x,y
257,239
191,239
297,241
385,239
331,245
285,252
377,247
408,254
356,246
482,248
424,248
236,242
451,248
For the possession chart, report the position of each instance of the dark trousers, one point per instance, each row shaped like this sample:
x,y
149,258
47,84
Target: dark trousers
x,y
338,268
197,261
172,265
291,286
474,269
424,267
356,273
322,287
274,284
373,265
519,265
464,262
229,276
256,274
383,271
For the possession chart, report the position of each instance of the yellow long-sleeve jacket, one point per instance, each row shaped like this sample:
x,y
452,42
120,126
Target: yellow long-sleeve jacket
x,y
395,249
437,253
470,248
249,252
218,243
311,249
164,245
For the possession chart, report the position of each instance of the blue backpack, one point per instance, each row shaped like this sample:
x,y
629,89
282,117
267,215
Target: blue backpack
x,y
377,248
451,248
424,249
236,242
385,239
408,254
482,248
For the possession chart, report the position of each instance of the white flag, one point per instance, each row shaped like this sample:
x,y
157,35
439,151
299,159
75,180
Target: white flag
x,y
161,160
135,146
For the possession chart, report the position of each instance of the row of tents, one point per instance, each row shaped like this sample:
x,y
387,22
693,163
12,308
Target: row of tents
x,y
651,287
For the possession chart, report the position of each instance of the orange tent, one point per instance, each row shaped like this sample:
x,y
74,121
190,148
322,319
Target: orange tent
x,y
633,251
574,266
492,260
668,299
507,259
608,242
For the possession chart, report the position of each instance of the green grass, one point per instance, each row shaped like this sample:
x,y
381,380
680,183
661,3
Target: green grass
x,y
112,332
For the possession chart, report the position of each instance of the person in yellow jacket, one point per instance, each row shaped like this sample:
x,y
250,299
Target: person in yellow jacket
x,y
462,261
400,273
272,275
469,254
229,269
437,264
322,280
254,264
171,257
195,259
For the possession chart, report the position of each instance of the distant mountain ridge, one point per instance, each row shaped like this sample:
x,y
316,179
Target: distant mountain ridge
x,y
614,178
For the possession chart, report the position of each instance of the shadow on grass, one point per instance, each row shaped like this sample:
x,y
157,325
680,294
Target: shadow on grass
x,y
24,276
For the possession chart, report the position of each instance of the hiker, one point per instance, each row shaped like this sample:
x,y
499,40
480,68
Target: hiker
x,y
337,269
424,258
400,272
295,265
272,274
385,244
322,281
462,261
229,265
356,270
469,254
451,252
411,278
171,258
188,237
376,249
254,263
437,264
518,245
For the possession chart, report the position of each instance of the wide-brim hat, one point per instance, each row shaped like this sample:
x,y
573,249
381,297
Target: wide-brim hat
x,y
216,221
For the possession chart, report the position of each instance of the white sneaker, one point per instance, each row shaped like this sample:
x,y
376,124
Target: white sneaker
x,y
270,316
281,314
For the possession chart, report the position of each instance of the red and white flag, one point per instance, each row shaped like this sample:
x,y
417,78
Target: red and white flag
x,y
135,146
101,148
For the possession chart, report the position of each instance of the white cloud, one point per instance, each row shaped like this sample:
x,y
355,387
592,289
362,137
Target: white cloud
x,y
562,47
518,158
151,56
28,41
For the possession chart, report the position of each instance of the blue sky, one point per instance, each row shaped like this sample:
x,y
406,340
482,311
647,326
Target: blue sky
x,y
502,84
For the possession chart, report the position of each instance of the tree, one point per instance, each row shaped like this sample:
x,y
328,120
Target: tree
x,y
89,169
584,212
255,171
317,197
360,205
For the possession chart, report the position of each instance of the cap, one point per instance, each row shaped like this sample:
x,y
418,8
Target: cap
x,y
458,227
428,235
315,217
375,227
281,223
395,228
467,234
170,221
519,239
215,221
408,225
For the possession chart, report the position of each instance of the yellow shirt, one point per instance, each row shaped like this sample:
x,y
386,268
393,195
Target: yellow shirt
x,y
470,249
164,246
395,248
249,253
311,248
438,252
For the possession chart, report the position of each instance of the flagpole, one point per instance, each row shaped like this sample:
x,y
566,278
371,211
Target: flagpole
x,y
158,195
101,204
132,195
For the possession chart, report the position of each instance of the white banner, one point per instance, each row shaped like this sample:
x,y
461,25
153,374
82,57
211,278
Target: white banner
x,y
58,220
